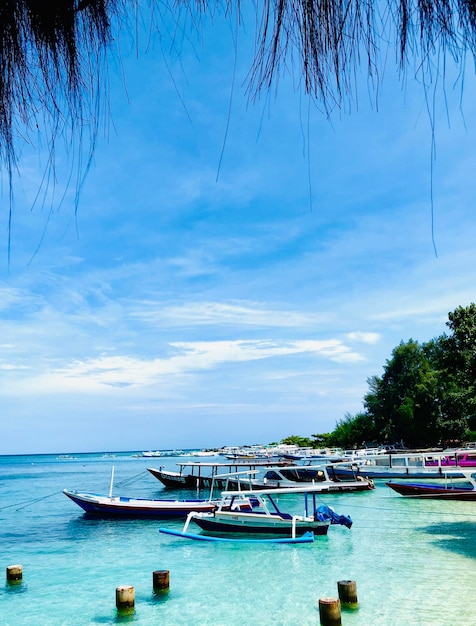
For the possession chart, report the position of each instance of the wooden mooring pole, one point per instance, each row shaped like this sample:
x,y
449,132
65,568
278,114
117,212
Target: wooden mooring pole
x,y
161,580
14,574
125,598
329,612
348,593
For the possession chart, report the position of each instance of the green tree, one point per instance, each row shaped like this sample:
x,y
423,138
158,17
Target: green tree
x,y
353,430
404,401
321,440
426,395
459,362
295,440
460,345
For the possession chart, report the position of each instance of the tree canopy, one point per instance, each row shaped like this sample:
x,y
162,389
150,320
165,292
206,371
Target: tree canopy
x,y
53,54
426,395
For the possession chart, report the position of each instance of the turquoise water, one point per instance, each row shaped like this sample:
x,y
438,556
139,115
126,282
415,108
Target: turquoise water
x,y
414,561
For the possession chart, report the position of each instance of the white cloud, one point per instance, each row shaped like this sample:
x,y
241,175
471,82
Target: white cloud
x,y
188,358
362,337
238,313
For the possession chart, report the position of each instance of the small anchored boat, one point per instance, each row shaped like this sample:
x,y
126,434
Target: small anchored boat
x,y
121,506
125,507
452,489
201,474
415,465
271,476
323,478
256,513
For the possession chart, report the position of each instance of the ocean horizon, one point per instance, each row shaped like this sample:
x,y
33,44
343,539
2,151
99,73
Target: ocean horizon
x,y
413,561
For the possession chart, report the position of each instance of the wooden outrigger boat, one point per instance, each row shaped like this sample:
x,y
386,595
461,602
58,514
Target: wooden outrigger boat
x,y
125,507
255,513
271,475
199,475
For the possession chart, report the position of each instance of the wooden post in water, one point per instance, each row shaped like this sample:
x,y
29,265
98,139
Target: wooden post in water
x,y
160,580
14,573
125,598
329,612
348,593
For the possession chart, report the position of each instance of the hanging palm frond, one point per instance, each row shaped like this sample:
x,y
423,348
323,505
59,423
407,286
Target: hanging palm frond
x,y
52,51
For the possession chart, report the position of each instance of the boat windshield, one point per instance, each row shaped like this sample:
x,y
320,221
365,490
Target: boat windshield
x,y
302,475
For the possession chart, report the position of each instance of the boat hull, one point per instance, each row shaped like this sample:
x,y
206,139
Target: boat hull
x,y
373,472
417,490
257,524
121,507
174,479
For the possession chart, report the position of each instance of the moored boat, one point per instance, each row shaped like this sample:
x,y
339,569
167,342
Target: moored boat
x,y
455,459
121,506
426,465
194,474
125,507
257,513
321,477
452,489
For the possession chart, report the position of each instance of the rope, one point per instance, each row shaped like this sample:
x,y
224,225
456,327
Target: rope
x,y
132,479
26,503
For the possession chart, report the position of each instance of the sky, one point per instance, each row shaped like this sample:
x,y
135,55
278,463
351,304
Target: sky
x,y
234,270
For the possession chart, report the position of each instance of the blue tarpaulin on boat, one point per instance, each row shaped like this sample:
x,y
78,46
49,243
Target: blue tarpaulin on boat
x,y
324,513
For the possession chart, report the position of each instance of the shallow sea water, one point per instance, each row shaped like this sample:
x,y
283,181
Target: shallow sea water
x,y
414,561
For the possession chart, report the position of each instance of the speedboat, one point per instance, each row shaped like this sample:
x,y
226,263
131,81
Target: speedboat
x,y
252,512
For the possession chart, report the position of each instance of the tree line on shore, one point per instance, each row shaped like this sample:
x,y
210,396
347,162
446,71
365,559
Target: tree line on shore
x,y
425,397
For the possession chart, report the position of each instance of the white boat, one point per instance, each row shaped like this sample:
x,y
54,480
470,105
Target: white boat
x,y
203,453
161,453
303,454
256,513
321,477
424,465
125,507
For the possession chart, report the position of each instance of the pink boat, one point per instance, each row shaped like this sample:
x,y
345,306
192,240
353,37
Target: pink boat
x,y
458,459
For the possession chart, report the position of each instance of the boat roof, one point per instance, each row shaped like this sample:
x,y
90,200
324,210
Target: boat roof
x,y
310,488
234,463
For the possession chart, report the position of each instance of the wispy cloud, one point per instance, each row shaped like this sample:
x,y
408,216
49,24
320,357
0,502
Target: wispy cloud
x,y
185,359
241,314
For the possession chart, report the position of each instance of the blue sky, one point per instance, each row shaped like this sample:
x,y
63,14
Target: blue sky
x,y
228,283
